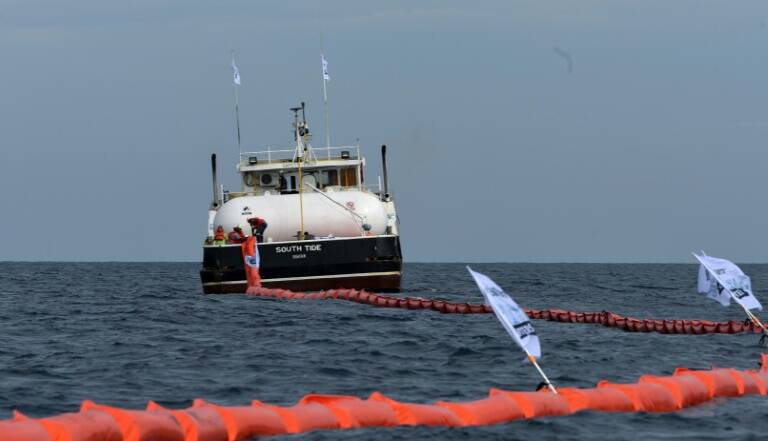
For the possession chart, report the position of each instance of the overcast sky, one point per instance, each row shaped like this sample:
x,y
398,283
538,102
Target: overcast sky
x,y
519,131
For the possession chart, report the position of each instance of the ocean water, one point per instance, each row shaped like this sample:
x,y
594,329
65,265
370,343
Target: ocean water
x,y
126,333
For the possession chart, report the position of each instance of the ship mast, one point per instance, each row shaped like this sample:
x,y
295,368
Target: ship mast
x,y
300,131
236,84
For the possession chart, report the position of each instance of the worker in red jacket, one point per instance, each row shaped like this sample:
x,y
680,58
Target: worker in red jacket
x,y
258,225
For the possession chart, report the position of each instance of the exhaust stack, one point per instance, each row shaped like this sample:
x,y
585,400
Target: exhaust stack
x,y
216,202
385,195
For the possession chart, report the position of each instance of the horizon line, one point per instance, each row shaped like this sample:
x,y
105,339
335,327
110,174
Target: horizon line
x,y
595,262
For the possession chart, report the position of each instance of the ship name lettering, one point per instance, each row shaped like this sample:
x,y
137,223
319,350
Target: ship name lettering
x,y
288,249
299,248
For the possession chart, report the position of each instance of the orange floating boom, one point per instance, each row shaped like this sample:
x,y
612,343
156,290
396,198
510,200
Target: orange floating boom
x,y
204,421
605,318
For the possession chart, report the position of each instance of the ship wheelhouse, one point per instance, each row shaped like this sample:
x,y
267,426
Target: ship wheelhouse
x,y
277,171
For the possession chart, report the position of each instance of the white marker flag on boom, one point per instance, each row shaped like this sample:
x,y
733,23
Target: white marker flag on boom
x,y
511,316
707,285
721,280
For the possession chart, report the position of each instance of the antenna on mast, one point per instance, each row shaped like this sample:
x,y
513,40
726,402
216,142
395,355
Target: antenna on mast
x,y
295,111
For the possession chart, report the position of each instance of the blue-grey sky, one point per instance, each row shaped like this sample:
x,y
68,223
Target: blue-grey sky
x,y
650,144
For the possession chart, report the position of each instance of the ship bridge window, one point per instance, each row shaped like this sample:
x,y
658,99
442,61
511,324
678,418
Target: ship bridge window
x,y
330,177
249,179
288,183
348,177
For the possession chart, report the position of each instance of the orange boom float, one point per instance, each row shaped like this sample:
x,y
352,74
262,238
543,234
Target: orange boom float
x,y
204,421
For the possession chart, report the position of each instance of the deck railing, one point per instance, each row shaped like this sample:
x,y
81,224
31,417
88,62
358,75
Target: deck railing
x,y
373,189
270,156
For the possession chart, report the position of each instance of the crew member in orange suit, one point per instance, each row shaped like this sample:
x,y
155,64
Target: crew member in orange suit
x,y
219,238
236,235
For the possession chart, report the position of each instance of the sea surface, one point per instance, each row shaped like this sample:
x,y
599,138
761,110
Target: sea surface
x,y
125,333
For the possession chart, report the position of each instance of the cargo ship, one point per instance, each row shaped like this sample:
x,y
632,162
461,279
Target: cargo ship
x,y
325,228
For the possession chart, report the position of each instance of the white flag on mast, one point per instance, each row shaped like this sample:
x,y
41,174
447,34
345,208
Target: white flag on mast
x,y
235,71
721,280
326,75
511,316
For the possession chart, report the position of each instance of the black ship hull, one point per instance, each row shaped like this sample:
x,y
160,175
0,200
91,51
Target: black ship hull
x,y
372,262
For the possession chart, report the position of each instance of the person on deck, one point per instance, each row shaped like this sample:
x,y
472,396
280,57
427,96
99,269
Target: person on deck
x,y
219,238
258,225
236,235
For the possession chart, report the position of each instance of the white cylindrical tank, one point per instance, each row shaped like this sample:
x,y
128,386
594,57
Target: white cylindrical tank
x,y
322,217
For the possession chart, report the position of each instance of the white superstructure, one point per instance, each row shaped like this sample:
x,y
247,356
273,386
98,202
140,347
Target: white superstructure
x,y
329,200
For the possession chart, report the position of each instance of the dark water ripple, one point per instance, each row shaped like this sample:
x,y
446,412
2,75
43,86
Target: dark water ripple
x,y
123,334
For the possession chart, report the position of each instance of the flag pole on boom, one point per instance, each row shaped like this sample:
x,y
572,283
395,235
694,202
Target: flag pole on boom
x,y
513,319
752,317
535,364
236,84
